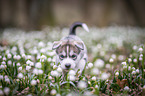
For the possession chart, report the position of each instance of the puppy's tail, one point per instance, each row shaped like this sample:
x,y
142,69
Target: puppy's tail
x,y
75,25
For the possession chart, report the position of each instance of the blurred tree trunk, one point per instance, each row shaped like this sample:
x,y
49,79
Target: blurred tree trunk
x,y
47,15
129,4
5,13
21,14
85,9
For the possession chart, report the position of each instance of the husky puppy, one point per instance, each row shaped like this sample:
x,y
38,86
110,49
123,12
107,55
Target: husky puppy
x,y
71,51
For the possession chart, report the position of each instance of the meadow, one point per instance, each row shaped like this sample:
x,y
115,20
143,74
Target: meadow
x,y
115,66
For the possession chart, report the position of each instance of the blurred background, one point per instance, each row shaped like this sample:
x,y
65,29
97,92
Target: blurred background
x,y
36,14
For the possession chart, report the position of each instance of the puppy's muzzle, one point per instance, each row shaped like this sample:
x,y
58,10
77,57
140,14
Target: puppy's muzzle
x,y
68,65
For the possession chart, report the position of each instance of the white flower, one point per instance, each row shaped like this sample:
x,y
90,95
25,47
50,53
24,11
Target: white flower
x,y
38,81
129,60
141,55
113,56
30,63
95,71
41,44
7,79
87,93
43,50
123,63
14,48
54,66
129,68
38,65
137,70
18,57
49,59
35,71
144,87
117,73
99,63
140,59
9,62
135,60
29,95
111,60
94,78
90,65
133,72
124,67
43,57
35,51
20,68
120,57
96,86
104,76
18,64
17,80
28,57
134,47
28,68
2,66
59,69
3,62
1,93
82,84
50,77
72,72
40,71
108,66
89,82
33,82
84,79
72,78
126,88
53,92
51,53
23,55
4,58
58,95
133,68
140,49
20,76
54,73
1,77
6,90
15,57
99,46
102,53
70,94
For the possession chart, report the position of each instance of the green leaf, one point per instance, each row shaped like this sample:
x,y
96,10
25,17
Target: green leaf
x,y
115,87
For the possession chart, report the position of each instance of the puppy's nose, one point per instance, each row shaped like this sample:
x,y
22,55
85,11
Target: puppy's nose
x,y
67,65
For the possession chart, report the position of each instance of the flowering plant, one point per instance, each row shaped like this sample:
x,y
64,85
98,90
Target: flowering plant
x,y
27,64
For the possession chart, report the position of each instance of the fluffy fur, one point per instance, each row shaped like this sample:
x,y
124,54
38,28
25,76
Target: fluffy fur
x,y
71,51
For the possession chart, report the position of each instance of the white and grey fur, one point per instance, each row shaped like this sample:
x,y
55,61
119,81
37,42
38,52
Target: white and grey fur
x,y
71,51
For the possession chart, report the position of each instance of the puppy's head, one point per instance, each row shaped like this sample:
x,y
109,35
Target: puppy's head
x,y
68,53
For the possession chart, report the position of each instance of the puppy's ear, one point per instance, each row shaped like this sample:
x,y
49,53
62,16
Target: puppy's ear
x,y
56,44
79,45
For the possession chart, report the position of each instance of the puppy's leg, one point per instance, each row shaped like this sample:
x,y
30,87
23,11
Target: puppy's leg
x,y
81,65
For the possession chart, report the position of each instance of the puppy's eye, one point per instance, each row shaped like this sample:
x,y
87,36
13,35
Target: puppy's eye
x,y
74,56
61,57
